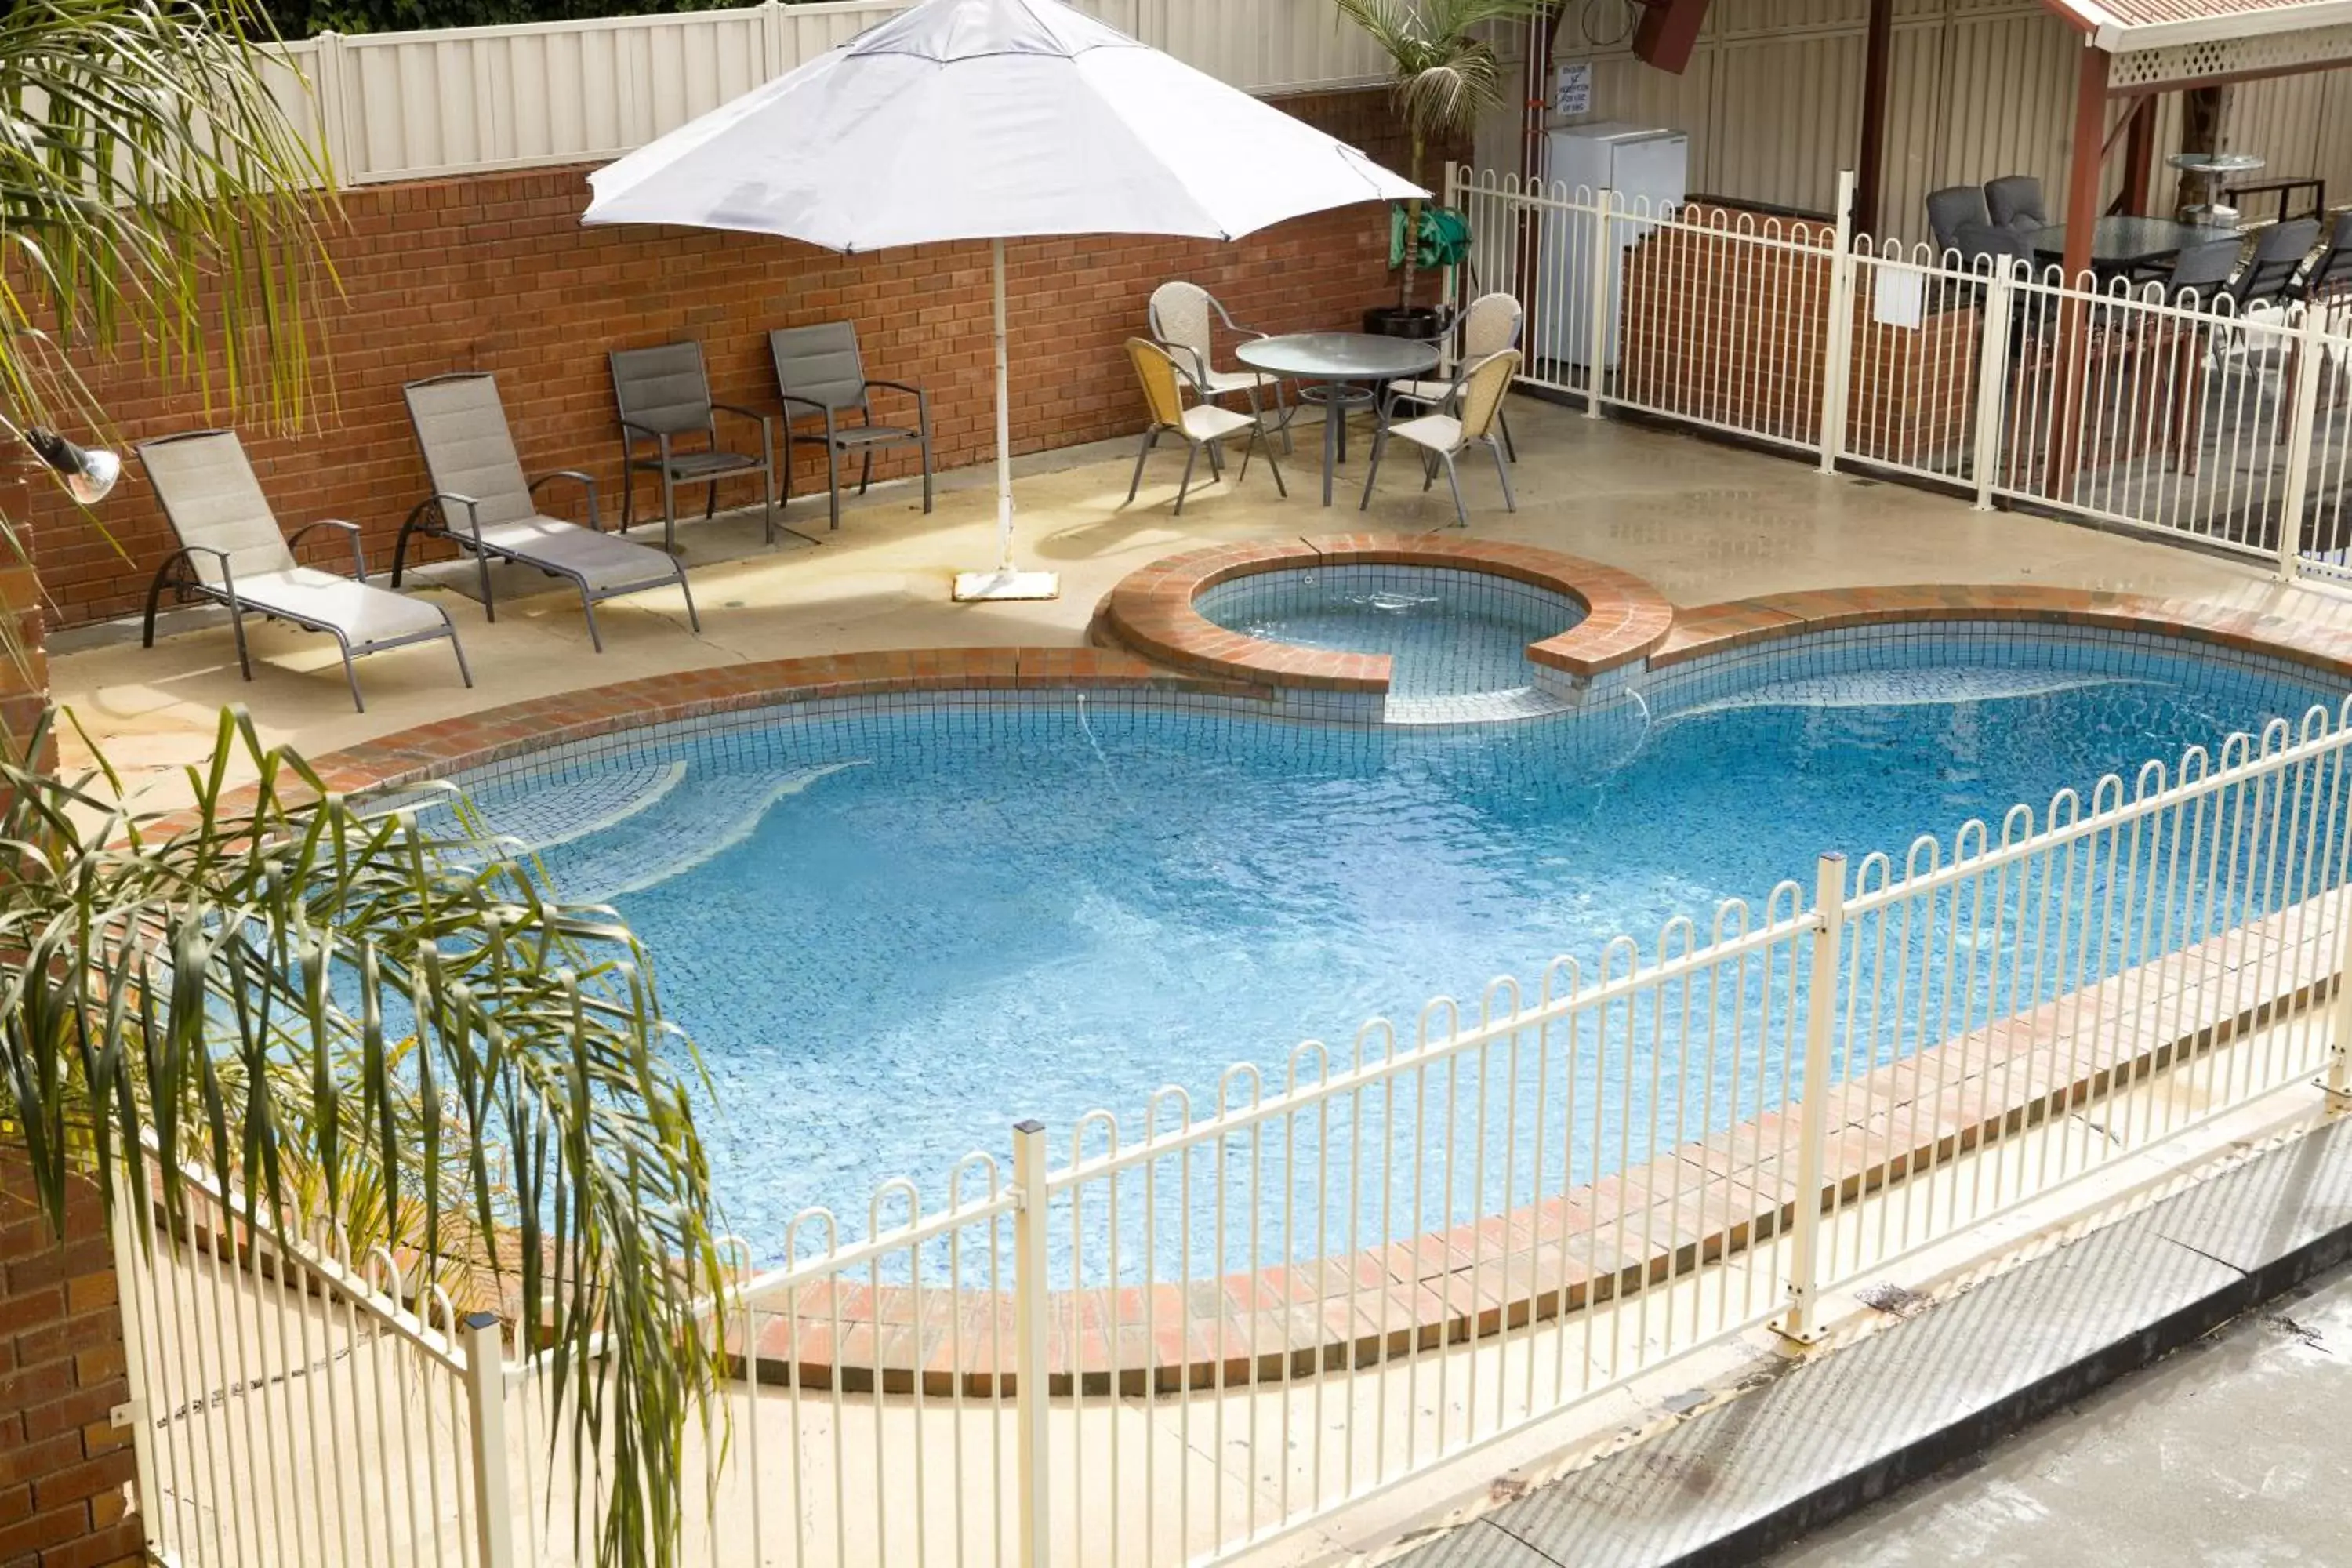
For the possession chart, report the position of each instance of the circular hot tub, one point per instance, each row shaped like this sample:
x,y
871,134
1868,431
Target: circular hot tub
x,y
1446,631
1384,629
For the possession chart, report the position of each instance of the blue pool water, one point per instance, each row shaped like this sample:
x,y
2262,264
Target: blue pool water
x,y
896,931
1447,633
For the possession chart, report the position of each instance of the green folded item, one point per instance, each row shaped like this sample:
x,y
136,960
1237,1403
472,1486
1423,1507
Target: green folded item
x,y
1444,236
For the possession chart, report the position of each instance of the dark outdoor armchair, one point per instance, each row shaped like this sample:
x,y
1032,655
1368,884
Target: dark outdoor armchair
x,y
1950,208
821,374
669,427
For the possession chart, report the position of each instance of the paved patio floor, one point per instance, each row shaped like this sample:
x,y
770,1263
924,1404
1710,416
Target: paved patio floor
x,y
1701,520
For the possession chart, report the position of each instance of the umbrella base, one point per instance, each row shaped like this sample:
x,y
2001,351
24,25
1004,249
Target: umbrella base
x,y
1006,584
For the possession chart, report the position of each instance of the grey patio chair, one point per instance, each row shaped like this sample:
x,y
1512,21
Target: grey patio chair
x,y
1950,208
1987,248
1468,420
2279,255
1199,426
820,372
663,395
2014,201
1487,325
2200,271
232,553
1179,314
2331,272
482,503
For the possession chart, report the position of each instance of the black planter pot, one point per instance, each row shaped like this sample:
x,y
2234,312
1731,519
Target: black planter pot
x,y
1401,322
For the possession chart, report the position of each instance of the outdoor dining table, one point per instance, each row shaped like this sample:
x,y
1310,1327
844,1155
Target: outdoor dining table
x,y
1339,370
2127,244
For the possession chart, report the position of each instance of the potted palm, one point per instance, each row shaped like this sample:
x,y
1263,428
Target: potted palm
x,y
1443,73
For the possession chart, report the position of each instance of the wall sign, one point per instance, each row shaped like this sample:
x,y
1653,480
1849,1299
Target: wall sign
x,y
1575,92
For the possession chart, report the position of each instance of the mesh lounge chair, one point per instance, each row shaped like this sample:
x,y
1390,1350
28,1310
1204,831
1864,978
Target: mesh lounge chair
x,y
231,552
1474,405
482,504
820,372
1201,427
1179,313
1487,325
664,395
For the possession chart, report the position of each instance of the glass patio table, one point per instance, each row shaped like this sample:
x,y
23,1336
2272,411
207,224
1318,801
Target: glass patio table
x,y
1339,370
2126,244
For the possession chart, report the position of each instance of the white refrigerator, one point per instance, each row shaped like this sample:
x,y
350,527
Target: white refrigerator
x,y
1647,168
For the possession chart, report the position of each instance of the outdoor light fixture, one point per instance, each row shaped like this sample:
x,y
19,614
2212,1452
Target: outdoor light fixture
x,y
89,471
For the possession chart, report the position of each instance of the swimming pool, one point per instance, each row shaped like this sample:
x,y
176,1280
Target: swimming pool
x,y
896,926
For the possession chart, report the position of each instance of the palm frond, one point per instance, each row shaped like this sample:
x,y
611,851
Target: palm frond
x,y
1443,71
355,1020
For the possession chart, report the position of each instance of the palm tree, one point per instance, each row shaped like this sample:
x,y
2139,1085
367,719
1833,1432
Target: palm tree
x,y
1443,73
350,1016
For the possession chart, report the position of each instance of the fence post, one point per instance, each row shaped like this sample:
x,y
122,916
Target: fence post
x,y
1837,342
772,40
1451,291
1596,345
2339,1081
1821,1008
328,92
1992,382
486,1418
1029,1324
132,1227
2307,364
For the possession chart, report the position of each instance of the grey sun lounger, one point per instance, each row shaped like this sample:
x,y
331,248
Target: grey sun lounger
x,y
232,553
482,504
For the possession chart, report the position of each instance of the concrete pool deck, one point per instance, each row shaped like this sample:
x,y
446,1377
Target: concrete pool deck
x,y
1700,521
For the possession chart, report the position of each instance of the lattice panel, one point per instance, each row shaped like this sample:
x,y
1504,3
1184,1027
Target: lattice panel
x,y
2270,52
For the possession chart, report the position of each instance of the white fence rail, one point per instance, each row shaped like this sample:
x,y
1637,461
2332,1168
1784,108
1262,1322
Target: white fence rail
x,y
2185,420
293,1403
1216,1323
414,105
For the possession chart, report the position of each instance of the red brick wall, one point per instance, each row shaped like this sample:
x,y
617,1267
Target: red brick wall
x,y
495,273
63,1467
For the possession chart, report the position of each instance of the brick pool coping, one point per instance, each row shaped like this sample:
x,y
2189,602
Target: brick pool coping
x,y
1703,1200
1436,1288
1152,610
1709,629
1627,632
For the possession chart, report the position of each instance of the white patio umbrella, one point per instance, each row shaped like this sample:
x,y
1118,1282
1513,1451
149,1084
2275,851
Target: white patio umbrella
x,y
989,119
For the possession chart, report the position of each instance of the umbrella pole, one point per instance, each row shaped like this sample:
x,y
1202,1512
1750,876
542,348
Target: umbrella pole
x,y
1003,582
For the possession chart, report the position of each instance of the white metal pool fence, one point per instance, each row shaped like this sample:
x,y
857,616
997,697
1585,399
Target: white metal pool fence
x,y
1225,1321
2108,402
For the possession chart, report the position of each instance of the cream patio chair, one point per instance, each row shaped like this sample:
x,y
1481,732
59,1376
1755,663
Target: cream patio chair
x,y
1179,313
1201,425
232,553
483,504
1470,413
1487,326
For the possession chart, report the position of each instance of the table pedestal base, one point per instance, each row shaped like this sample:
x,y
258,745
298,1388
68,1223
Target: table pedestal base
x,y
1335,398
